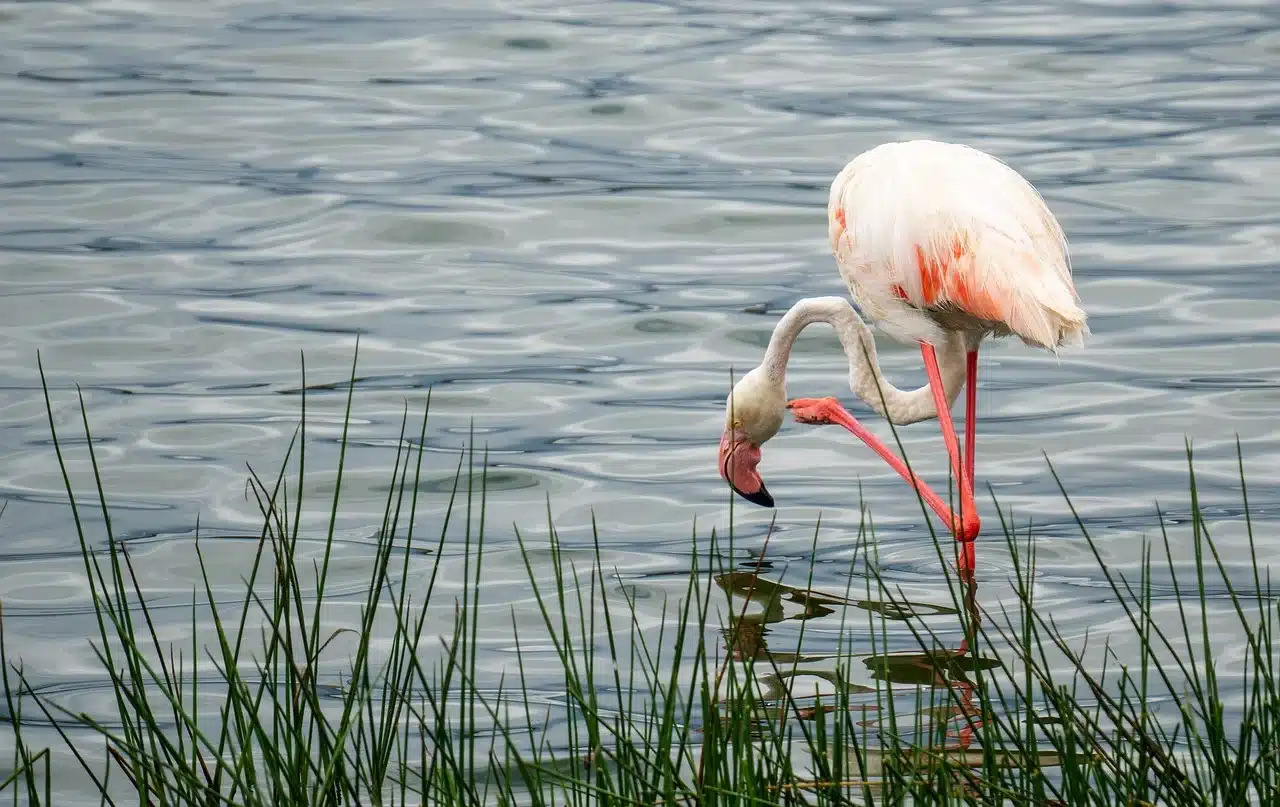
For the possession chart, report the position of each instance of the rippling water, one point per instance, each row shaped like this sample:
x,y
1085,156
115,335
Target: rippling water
x,y
571,220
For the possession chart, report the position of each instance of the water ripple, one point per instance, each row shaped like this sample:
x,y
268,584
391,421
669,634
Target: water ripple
x,y
570,223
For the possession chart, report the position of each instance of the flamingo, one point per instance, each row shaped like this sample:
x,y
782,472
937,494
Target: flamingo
x,y
942,245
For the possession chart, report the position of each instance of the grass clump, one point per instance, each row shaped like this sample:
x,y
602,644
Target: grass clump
x,y
385,699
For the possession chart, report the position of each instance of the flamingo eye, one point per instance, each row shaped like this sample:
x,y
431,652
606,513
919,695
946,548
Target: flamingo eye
x,y
737,423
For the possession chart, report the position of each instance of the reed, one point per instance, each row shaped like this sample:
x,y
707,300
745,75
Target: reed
x,y
1016,713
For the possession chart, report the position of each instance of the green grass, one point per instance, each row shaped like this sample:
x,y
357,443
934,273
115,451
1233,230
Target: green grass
x,y
318,704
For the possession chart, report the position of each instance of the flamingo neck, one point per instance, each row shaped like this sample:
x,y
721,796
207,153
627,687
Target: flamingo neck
x,y
898,406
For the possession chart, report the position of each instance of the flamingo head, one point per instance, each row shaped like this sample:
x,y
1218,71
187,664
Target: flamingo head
x,y
754,412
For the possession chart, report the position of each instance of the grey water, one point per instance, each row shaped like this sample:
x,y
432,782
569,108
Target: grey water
x,y
572,222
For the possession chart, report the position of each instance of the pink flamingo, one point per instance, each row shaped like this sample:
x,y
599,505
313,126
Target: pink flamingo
x,y
940,244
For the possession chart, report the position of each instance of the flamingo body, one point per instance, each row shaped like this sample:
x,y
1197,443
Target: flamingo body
x,y
934,237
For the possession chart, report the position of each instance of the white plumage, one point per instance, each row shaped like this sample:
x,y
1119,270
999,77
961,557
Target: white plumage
x,y
925,232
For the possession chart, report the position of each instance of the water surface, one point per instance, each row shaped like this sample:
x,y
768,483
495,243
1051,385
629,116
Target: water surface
x,y
571,221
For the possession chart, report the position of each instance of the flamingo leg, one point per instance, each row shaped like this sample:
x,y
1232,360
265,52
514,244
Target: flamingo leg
x,y
971,717
969,522
970,412
829,410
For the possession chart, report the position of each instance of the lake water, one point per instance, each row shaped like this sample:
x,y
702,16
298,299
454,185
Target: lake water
x,y
571,221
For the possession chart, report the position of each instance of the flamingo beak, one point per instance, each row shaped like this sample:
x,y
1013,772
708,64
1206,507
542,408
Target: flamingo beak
x,y
738,460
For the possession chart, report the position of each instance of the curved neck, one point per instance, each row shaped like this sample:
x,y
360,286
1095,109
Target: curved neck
x,y
898,406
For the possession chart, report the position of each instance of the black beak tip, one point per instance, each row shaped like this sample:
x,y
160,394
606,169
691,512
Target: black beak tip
x,y
760,497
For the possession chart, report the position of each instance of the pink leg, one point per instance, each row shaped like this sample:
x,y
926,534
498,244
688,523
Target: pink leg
x,y
970,523
970,412
829,410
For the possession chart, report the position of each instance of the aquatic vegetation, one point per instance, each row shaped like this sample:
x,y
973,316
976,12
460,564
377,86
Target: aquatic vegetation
x,y
327,699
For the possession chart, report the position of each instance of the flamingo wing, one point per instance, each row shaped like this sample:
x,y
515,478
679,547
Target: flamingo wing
x,y
925,230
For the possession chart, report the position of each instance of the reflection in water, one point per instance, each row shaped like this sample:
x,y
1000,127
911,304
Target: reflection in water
x,y
798,685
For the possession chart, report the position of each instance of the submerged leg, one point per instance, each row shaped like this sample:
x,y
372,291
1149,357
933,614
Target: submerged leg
x,y
829,410
970,524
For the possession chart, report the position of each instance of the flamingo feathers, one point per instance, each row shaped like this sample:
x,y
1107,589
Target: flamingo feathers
x,y
932,236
